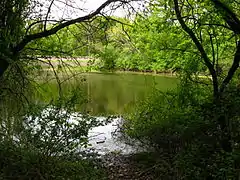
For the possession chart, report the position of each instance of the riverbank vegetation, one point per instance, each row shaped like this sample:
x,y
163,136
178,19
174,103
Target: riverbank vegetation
x,y
181,125
191,132
148,43
198,124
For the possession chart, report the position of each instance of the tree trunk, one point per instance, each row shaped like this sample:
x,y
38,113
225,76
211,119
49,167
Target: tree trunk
x,y
3,66
223,121
225,134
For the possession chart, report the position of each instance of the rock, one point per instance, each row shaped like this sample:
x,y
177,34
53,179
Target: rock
x,y
99,142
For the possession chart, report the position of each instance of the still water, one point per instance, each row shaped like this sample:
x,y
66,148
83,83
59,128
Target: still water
x,y
111,93
115,93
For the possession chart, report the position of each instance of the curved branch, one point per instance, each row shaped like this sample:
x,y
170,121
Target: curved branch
x,y
229,16
28,38
38,22
199,47
234,23
232,70
215,24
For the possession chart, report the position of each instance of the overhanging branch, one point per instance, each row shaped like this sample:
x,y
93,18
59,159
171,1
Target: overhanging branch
x,y
28,38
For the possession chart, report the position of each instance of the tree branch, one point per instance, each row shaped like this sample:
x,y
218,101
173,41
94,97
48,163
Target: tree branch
x,y
215,24
232,70
46,18
229,16
233,21
39,22
213,50
28,38
199,47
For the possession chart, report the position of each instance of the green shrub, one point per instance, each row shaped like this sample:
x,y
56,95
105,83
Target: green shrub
x,y
108,58
23,163
45,142
182,125
165,114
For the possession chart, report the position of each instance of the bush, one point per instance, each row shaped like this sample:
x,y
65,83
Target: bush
x,y
165,114
182,125
46,142
23,163
108,58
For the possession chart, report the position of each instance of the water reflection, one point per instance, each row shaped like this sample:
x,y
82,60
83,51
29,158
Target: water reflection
x,y
103,139
113,93
110,93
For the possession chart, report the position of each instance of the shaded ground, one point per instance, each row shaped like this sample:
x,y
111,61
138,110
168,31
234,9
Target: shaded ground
x,y
125,167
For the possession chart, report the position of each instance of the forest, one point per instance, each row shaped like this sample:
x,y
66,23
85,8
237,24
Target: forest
x,y
153,93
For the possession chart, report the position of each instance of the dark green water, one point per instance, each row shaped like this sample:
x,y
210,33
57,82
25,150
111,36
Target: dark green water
x,y
112,93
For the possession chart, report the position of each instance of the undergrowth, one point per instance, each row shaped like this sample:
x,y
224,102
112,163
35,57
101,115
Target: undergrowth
x,y
181,127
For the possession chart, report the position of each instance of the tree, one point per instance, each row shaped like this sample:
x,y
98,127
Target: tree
x,y
191,20
21,26
24,24
76,40
15,39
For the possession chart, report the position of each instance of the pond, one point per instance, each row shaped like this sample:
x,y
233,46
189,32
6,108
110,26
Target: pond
x,y
112,93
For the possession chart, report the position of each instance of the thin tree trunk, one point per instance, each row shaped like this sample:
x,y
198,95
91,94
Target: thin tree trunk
x,y
225,134
3,66
223,121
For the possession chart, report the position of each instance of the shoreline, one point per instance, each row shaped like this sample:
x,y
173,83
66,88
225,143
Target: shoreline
x,y
84,67
89,70
133,72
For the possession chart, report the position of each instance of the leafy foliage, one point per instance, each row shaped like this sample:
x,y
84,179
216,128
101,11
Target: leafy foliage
x,y
18,162
47,140
182,125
